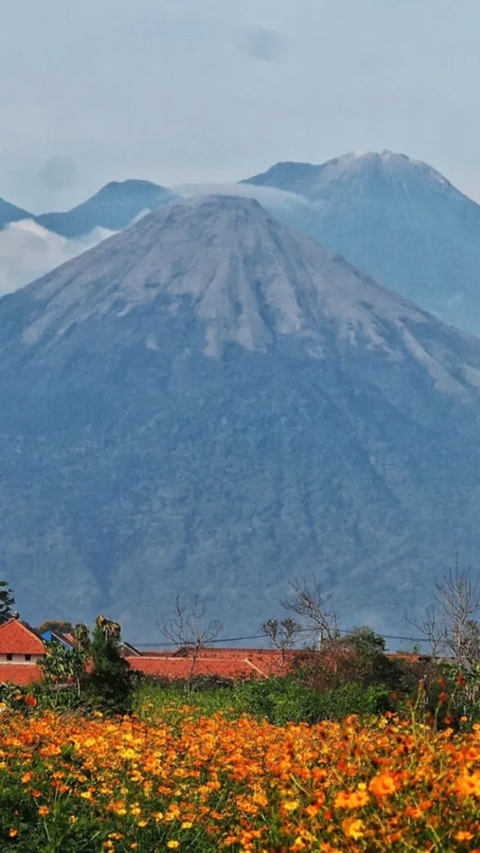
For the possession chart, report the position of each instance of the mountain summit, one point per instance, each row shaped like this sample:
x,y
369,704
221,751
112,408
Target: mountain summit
x,y
211,402
114,207
398,220
246,278
314,182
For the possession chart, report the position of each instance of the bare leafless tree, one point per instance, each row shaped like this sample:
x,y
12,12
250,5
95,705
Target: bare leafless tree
x,y
431,630
282,634
458,600
451,623
315,609
189,630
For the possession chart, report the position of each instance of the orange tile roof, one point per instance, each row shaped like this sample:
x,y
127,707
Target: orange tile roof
x,y
20,673
18,639
246,663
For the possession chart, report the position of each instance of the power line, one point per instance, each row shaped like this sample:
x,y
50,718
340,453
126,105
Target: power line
x,y
263,636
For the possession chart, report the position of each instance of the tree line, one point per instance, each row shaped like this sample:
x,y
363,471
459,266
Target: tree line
x,y
94,671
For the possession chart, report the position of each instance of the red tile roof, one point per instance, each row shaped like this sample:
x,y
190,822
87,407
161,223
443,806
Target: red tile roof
x,y
240,663
20,673
18,639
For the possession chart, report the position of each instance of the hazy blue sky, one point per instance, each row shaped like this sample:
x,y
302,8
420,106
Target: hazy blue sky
x,y
200,90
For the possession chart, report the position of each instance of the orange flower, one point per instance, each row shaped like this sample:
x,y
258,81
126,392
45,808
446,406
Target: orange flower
x,y
382,785
30,700
43,811
351,799
13,832
469,784
463,836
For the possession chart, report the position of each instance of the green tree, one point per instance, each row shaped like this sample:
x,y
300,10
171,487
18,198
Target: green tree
x,y
63,668
369,664
55,625
365,641
7,602
109,683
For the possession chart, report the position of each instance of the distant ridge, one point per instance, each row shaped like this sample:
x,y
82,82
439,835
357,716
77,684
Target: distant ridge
x,y
10,213
114,207
397,219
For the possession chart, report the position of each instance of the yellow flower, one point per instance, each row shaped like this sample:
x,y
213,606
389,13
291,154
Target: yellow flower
x,y
299,844
353,827
291,805
187,824
172,845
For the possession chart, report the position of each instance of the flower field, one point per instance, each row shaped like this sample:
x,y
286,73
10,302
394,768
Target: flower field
x,y
188,782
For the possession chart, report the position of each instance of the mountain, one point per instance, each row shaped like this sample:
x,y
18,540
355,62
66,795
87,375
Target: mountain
x,y
114,207
212,402
398,220
10,213
290,208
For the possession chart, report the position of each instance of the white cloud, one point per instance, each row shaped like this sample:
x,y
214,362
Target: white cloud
x,y
264,195
290,208
270,197
28,251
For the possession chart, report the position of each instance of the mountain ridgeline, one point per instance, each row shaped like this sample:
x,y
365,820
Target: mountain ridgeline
x,y
394,218
212,402
10,213
398,220
114,207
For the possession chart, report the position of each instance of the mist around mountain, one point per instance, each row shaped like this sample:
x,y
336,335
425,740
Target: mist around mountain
x,y
27,251
290,208
114,207
212,402
398,220
31,246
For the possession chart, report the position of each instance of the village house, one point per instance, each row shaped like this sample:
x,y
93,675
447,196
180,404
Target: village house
x,y
20,649
214,662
